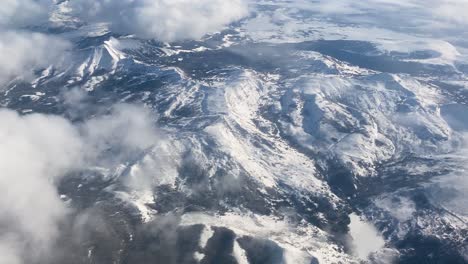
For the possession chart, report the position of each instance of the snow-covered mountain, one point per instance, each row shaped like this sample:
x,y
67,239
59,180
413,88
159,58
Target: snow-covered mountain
x,y
271,133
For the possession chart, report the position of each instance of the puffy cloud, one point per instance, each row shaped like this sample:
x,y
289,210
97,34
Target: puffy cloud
x,y
37,151
23,52
165,20
127,129
365,237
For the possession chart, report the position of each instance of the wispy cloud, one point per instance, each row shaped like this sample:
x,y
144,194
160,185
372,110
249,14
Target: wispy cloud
x,y
21,13
23,52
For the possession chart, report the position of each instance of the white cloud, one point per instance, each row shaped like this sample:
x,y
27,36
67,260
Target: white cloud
x,y
127,129
23,52
401,208
9,251
165,20
366,238
36,151
450,10
19,13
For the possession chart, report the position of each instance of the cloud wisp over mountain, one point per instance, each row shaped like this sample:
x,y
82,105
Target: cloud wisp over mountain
x,y
37,151
22,51
163,20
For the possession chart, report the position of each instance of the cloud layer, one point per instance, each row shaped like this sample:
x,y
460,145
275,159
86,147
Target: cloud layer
x,y
20,13
36,151
23,52
165,20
